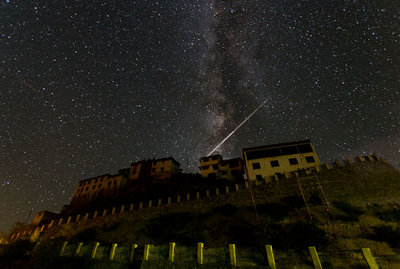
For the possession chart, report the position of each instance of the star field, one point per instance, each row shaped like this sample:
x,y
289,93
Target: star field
x,y
87,87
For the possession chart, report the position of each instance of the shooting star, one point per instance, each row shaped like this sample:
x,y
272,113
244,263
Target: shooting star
x,y
240,125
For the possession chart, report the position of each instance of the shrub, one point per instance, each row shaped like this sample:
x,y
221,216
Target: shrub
x,y
15,252
275,211
226,210
389,215
296,236
352,212
293,201
387,234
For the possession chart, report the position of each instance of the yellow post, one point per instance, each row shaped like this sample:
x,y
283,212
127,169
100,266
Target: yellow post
x,y
112,251
197,195
51,223
95,214
78,248
171,251
113,210
270,256
146,252
315,258
150,203
159,202
200,253
232,254
104,212
78,217
187,196
60,221
132,253
207,193
94,250
121,211
63,248
178,198
86,216
169,200
226,189
369,258
236,187
131,207
69,219
246,184
217,191
140,205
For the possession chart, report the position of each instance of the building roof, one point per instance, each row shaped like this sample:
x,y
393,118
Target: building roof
x,y
94,177
207,157
279,145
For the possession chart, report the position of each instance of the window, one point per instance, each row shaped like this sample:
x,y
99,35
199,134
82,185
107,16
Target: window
x,y
274,163
101,180
109,184
293,161
215,167
256,166
87,188
205,167
259,177
310,159
224,172
99,185
153,170
289,150
95,181
214,158
162,169
305,148
94,187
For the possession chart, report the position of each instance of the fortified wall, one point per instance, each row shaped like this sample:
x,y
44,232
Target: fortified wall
x,y
362,180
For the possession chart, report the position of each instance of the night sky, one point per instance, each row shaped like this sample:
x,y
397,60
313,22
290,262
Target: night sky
x,y
87,87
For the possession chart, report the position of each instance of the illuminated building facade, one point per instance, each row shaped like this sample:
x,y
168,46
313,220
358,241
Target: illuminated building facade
x,y
266,161
215,166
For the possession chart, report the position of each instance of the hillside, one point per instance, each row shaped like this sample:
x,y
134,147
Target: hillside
x,y
363,202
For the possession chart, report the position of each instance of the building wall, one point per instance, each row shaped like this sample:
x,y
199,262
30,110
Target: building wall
x,y
134,171
90,189
210,165
265,167
164,168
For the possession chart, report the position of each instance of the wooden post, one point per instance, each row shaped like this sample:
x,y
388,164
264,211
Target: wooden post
x,y
140,205
51,223
315,258
63,248
69,219
104,212
270,256
112,251
197,195
171,251
187,196
200,253
42,229
236,187
94,250
246,184
78,248
369,258
122,209
159,202
232,254
132,252
207,193
113,210
95,214
60,221
169,200
150,203
226,189
78,217
146,252
131,207
86,217
217,191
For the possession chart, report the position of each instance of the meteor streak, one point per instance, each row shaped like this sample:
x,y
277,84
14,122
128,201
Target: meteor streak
x,y
240,125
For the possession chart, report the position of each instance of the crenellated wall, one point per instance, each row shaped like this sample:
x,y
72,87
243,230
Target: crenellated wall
x,y
361,180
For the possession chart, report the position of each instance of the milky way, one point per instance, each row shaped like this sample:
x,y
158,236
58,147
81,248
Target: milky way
x,y
87,87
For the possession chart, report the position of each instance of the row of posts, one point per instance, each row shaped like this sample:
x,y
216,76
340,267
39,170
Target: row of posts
x,y
200,254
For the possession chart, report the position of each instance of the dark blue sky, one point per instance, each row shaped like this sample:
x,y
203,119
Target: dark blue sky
x,y
89,86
